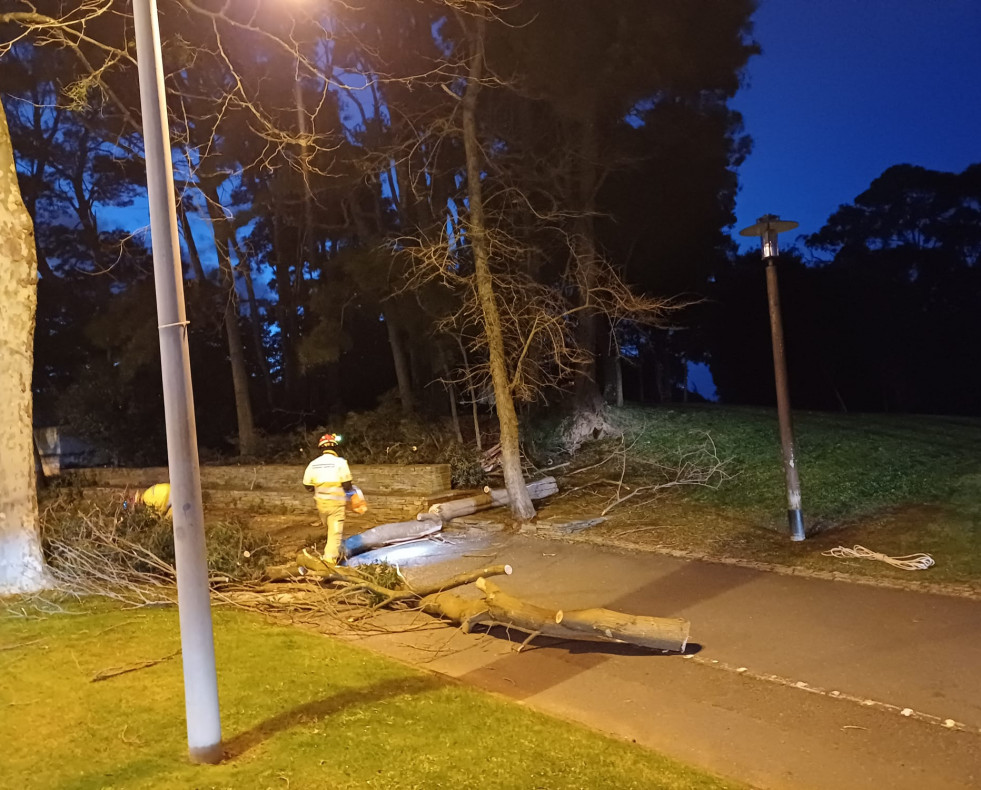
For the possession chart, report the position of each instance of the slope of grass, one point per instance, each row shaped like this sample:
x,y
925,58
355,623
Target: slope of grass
x,y
895,484
850,465
299,711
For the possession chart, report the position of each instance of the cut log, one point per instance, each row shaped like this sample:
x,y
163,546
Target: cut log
x,y
496,608
513,612
590,625
440,497
497,497
392,534
660,633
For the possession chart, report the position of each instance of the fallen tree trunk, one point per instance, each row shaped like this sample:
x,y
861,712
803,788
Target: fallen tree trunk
x,y
660,633
465,612
495,608
392,534
592,625
497,497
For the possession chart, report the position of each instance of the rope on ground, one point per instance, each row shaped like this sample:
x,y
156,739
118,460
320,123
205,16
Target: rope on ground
x,y
908,562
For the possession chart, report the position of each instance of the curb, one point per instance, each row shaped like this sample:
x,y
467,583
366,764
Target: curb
x,y
932,588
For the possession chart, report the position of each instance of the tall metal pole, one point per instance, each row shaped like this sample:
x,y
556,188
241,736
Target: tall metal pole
x,y
193,594
767,228
794,518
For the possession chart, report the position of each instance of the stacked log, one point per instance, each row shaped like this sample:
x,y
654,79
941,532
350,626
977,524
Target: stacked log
x,y
455,508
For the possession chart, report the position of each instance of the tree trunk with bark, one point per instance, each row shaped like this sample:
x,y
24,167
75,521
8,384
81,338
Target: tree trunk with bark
x,y
255,322
402,373
247,440
22,567
587,392
475,413
192,247
286,310
521,506
496,608
392,534
444,370
591,625
613,379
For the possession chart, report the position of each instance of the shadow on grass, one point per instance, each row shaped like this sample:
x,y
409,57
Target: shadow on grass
x,y
316,710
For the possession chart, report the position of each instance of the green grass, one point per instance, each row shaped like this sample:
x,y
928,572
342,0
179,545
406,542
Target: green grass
x,y
299,711
896,484
850,465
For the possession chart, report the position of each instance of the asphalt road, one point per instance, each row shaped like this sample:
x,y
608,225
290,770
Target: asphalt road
x,y
790,682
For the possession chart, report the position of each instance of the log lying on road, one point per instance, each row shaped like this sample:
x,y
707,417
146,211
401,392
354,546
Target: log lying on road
x,y
594,625
660,633
497,497
495,608
392,534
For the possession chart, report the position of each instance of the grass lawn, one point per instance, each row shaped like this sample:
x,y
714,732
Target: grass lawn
x,y
895,484
299,711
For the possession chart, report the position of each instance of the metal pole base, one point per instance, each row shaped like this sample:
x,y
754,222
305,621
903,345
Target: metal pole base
x,y
796,522
207,755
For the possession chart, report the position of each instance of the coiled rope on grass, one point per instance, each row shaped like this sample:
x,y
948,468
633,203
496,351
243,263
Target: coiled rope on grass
x,y
908,562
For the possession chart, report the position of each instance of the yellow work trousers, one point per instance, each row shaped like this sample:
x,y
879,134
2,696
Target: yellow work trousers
x,y
332,517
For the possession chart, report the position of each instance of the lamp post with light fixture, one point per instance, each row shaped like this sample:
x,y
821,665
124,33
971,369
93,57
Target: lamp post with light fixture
x,y
767,227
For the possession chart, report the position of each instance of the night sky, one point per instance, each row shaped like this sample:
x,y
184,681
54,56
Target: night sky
x,y
846,88
842,90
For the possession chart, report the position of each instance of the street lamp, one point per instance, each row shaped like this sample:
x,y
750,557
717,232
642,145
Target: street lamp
x,y
193,593
767,227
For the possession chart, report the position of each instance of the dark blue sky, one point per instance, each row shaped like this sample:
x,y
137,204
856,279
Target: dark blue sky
x,y
846,88
842,90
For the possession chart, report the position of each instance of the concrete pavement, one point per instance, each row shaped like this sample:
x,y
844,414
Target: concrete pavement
x,y
790,682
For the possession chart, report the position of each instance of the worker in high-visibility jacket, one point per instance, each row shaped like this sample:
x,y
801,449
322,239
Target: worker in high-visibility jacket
x,y
156,498
329,478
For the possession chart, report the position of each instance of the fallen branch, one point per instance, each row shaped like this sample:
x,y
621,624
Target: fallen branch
x,y
19,645
595,625
107,563
698,466
105,674
467,577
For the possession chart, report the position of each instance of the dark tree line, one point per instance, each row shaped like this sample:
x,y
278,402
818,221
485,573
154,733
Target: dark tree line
x,y
886,318
330,162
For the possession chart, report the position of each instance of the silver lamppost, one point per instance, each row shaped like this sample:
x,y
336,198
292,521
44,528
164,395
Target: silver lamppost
x,y
193,593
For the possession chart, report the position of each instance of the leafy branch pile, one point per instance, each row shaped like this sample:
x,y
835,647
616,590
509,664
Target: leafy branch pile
x,y
106,549
620,470
126,557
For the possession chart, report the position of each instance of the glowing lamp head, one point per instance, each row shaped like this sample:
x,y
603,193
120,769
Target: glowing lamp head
x,y
767,227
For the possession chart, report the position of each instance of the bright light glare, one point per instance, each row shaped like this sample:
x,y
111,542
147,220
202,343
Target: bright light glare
x,y
401,554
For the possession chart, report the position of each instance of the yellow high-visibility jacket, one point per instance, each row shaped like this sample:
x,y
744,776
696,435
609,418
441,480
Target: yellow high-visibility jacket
x,y
157,498
326,474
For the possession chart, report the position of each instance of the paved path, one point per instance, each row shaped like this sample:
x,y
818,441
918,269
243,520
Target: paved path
x,y
792,682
